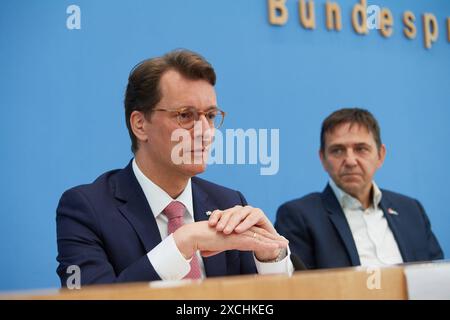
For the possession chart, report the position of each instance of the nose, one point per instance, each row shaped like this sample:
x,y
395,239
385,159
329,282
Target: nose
x,y
350,159
203,131
205,122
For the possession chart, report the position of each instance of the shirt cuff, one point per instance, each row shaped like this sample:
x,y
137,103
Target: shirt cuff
x,y
168,261
283,266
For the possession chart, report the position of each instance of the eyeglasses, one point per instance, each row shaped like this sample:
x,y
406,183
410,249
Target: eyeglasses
x,y
187,116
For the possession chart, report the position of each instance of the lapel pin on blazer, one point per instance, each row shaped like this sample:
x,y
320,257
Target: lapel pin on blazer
x,y
393,212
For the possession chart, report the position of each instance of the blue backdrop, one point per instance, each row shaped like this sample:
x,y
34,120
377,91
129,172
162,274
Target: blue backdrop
x,y
62,119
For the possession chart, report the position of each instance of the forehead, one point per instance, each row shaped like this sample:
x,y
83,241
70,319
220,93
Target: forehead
x,y
349,133
177,90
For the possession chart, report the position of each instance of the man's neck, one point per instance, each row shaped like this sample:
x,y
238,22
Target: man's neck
x,y
173,184
366,198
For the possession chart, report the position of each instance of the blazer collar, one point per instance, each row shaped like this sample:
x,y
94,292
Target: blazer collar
x,y
395,221
337,217
136,210
135,207
214,265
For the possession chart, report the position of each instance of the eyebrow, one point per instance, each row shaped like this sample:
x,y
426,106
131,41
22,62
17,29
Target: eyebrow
x,y
207,108
363,144
340,145
335,146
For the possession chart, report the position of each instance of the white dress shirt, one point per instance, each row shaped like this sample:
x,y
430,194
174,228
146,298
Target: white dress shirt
x,y
373,238
166,258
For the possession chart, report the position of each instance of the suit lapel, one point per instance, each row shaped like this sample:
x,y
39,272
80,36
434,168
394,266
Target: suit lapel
x,y
339,220
215,265
395,224
136,208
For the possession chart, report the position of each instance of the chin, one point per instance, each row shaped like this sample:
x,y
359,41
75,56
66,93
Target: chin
x,y
193,169
350,188
351,181
197,164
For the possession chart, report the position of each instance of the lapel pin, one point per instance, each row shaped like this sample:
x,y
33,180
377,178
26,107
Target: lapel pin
x,y
392,211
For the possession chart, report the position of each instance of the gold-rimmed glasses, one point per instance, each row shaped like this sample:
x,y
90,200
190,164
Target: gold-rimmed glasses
x,y
187,116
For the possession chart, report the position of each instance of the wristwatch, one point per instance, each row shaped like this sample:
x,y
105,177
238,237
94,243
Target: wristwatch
x,y
281,256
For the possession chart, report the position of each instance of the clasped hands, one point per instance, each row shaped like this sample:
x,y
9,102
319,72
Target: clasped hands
x,y
238,228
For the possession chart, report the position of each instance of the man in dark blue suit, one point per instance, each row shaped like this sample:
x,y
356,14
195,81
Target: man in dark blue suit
x,y
154,220
353,222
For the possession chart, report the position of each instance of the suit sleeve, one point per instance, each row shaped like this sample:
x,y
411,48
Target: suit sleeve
x,y
246,257
434,249
290,224
80,244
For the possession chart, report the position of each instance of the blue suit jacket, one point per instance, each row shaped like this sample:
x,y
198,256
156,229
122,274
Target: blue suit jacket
x,y
107,228
319,234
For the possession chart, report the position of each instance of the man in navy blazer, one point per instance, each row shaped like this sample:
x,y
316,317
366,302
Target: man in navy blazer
x,y
353,222
154,220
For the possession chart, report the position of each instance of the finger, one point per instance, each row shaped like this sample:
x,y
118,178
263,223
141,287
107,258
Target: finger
x,y
226,215
218,242
236,218
214,217
260,243
267,234
261,235
255,217
244,242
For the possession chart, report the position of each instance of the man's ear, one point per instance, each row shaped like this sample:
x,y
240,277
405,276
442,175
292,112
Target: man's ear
x,y
381,155
137,124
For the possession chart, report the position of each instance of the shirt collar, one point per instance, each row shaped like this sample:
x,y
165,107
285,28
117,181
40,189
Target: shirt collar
x,y
157,198
348,202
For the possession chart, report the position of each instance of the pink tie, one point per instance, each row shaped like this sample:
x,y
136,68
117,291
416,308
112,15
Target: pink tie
x,y
175,213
